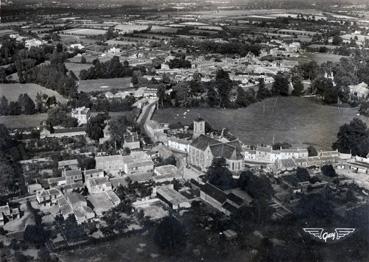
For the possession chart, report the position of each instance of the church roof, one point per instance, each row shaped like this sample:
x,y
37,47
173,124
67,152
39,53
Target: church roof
x,y
203,141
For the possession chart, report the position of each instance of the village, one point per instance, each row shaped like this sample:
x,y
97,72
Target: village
x,y
86,161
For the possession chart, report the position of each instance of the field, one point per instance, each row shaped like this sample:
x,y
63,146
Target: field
x,y
12,91
77,67
291,119
94,85
23,121
320,58
84,31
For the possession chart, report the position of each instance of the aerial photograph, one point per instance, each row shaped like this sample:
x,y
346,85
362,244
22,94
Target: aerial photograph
x,y
184,130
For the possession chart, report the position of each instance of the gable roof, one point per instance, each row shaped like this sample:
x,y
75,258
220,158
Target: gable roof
x,y
214,192
203,141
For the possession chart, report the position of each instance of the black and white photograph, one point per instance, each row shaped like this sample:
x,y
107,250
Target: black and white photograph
x,y
184,130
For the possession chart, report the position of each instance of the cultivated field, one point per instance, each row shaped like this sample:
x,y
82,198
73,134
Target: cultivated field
x,y
12,91
320,58
294,120
104,85
84,31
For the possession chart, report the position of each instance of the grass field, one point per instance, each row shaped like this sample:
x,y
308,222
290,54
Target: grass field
x,y
12,91
320,58
23,121
291,119
77,67
103,85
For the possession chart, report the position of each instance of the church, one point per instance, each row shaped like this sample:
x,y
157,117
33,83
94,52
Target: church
x,y
204,149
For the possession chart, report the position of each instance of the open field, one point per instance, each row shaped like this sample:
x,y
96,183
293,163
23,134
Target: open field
x,y
320,58
84,31
102,85
23,121
12,91
291,119
77,67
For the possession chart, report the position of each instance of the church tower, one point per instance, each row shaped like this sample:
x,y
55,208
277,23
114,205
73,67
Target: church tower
x,y
198,127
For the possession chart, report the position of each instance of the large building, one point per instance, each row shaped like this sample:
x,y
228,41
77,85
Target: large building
x,y
82,114
204,149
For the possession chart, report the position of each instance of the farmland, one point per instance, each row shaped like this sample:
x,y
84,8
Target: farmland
x,y
84,32
12,91
95,85
294,120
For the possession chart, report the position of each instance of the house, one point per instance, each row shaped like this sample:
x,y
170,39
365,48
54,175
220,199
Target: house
x,y
204,149
82,114
111,164
8,214
72,176
226,202
266,154
79,206
137,162
98,185
172,197
178,144
48,197
165,173
93,173
33,188
131,140
63,132
71,164
360,91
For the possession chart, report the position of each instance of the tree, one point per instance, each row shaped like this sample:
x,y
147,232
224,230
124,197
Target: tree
x,y
118,128
329,171
170,234
83,60
280,85
59,116
353,138
298,86
337,40
262,92
312,151
26,104
245,98
219,175
4,106
258,187
212,97
95,126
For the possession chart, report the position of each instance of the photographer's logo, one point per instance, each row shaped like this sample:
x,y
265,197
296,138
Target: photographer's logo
x,y
326,236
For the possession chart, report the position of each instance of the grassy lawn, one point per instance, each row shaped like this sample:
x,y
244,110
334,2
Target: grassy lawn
x,y
94,85
12,91
291,119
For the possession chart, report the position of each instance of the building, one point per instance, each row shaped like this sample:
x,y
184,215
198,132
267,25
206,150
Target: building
x,y
48,197
131,140
137,162
178,144
172,197
204,149
111,164
198,128
8,214
98,185
82,114
71,164
226,202
165,173
72,176
103,201
63,132
93,173
79,206
266,154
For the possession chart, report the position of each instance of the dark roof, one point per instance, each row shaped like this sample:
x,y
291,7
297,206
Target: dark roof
x,y
203,141
69,130
235,199
223,150
214,192
228,206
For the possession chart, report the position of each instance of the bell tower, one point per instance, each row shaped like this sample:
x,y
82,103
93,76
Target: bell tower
x,y
198,127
